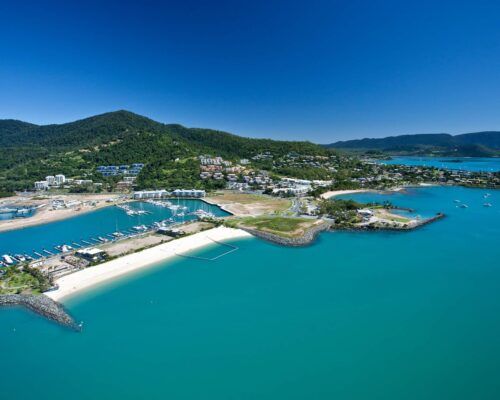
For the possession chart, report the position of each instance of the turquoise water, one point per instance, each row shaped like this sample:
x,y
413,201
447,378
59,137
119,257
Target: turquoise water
x,y
375,315
465,163
12,215
97,223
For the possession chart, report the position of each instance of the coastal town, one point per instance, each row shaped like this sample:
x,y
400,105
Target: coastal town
x,y
258,196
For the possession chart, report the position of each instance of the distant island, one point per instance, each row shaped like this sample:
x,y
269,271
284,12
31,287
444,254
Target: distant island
x,y
477,144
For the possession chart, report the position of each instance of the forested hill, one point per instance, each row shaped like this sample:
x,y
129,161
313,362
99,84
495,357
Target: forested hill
x,y
30,152
468,144
120,125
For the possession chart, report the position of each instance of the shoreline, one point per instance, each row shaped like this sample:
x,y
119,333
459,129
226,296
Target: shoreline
x,y
46,216
333,193
87,278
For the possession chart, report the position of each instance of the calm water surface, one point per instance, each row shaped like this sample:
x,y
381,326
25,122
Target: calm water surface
x,y
377,315
463,163
101,222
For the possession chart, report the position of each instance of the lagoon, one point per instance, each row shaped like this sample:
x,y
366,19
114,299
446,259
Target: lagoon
x,y
357,315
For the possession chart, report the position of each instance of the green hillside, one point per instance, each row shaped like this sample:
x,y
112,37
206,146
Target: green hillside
x,y
31,152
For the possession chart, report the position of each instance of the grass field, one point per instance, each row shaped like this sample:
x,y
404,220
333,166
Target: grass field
x,y
249,204
277,225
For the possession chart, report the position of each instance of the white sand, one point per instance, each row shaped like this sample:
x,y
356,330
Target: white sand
x,y
84,279
334,193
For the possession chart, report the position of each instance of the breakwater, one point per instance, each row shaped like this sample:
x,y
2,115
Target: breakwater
x,y
400,228
42,305
306,239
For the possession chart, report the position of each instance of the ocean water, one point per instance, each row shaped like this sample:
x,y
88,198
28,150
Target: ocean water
x,y
101,222
464,163
13,215
373,315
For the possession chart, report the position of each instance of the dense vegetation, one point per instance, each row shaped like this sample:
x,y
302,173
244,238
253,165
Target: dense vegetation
x,y
23,280
30,152
342,211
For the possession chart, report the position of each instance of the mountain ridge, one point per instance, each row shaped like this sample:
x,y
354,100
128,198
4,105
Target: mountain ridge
x,y
484,143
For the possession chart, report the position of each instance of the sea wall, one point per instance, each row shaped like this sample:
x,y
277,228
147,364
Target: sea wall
x,y
306,239
42,305
408,228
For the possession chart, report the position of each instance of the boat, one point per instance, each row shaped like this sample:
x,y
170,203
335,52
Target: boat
x,y
103,239
7,259
487,205
456,201
463,206
486,195
20,257
117,234
203,214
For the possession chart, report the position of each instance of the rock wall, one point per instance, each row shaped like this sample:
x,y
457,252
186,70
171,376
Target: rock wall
x,y
306,239
41,305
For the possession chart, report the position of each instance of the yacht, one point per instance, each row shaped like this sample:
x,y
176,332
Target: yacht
x,y
7,259
487,204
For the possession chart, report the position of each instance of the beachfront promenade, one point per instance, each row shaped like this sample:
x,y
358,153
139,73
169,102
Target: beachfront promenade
x,y
92,276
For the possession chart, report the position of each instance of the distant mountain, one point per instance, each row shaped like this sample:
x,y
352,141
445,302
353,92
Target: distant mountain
x,y
475,144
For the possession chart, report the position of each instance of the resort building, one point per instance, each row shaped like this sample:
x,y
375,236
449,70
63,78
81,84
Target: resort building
x,y
41,185
125,169
188,193
60,179
51,180
158,194
151,194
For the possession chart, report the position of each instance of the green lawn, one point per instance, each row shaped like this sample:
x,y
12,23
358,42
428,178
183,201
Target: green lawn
x,y
278,225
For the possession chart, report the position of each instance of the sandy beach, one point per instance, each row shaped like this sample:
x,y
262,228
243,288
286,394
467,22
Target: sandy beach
x,y
89,277
46,215
334,193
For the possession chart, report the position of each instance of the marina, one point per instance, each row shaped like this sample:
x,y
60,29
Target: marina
x,y
101,226
381,294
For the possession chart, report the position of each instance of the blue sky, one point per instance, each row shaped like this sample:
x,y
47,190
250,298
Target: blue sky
x,y
315,70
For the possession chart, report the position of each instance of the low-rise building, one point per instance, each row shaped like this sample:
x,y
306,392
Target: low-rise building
x,y
41,185
151,194
189,193
92,254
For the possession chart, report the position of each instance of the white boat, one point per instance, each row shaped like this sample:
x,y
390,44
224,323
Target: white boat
x,y
456,201
7,259
203,214
487,204
463,206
